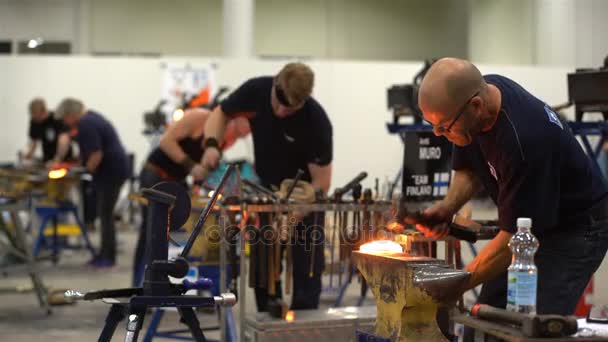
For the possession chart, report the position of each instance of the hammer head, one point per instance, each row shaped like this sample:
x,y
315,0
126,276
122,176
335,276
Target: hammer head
x,y
549,326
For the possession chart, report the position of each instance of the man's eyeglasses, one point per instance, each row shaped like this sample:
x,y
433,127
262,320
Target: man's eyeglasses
x,y
441,129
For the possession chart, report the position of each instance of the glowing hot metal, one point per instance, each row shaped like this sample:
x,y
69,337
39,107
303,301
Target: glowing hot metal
x,y
381,247
58,173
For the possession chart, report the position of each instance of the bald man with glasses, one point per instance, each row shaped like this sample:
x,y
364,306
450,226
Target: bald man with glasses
x,y
512,144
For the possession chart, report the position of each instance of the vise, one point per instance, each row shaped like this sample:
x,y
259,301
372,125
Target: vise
x,y
408,291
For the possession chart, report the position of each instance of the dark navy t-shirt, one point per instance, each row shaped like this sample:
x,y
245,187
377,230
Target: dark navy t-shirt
x,y
95,133
48,132
281,145
531,164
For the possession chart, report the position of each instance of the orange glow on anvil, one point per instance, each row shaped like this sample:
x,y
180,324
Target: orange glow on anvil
x,y
381,247
58,173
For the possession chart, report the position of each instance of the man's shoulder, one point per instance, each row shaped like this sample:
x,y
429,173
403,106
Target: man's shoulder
x,y
89,120
317,113
259,82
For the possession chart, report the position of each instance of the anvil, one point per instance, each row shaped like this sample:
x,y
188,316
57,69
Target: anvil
x,y
408,291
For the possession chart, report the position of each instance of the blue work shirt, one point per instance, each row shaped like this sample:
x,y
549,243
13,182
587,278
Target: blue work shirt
x,y
95,133
531,164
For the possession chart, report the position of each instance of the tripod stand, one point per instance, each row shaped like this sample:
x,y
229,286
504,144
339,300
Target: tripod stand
x,y
169,209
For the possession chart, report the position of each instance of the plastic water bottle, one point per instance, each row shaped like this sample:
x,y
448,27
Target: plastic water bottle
x,y
523,274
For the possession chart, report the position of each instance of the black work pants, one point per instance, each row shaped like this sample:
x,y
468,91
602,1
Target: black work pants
x,y
107,193
307,247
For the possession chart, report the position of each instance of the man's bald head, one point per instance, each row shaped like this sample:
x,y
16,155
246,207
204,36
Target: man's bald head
x,y
447,85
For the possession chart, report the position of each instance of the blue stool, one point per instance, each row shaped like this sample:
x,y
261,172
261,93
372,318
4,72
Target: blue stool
x,y
211,272
364,336
52,213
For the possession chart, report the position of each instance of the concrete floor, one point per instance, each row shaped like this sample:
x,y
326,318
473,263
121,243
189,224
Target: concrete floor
x,y
21,319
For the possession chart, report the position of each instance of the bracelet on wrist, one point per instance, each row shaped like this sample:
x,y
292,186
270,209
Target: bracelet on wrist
x,y
211,142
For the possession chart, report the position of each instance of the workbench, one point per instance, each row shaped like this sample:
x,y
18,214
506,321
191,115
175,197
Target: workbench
x,y
17,246
511,334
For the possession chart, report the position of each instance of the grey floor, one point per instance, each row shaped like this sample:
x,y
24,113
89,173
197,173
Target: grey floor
x,y
21,319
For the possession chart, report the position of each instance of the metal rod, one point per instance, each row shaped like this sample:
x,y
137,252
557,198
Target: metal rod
x,y
260,189
299,175
223,263
242,262
203,218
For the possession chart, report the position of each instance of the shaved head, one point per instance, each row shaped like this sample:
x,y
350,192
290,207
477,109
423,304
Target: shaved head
x,y
448,83
456,100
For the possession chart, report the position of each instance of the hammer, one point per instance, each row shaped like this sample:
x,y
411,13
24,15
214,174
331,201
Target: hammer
x,y
404,216
531,325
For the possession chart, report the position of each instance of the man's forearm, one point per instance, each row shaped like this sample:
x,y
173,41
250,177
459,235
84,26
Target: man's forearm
x,y
31,149
63,146
216,124
463,187
321,176
493,260
94,161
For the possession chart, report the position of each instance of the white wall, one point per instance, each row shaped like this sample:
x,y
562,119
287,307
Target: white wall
x,y
543,32
502,31
27,19
361,29
571,32
183,27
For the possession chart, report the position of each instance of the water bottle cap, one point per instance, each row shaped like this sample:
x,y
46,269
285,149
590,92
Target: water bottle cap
x,y
524,222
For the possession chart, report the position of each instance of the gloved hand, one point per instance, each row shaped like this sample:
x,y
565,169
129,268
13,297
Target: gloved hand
x,y
303,193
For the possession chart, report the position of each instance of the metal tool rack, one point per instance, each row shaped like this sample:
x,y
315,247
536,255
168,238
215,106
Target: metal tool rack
x,y
247,209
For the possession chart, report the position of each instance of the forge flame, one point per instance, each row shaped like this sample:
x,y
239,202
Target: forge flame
x,y
381,247
58,173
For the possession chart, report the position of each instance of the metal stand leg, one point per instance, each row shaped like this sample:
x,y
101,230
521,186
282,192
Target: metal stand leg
x,y
115,315
55,256
223,226
40,238
230,326
134,324
189,318
41,291
243,278
154,323
83,232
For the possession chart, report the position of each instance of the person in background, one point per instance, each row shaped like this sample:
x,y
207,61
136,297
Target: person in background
x,y
291,132
51,132
104,156
179,155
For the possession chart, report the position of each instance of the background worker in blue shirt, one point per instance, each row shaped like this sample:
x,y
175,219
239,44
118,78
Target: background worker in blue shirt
x,y
104,156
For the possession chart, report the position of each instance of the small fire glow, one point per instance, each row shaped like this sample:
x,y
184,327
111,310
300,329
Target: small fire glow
x,y
381,247
212,192
178,114
58,173
290,316
393,226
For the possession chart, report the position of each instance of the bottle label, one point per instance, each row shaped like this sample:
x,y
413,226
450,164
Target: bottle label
x,y
521,289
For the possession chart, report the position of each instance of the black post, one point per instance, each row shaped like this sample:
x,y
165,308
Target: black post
x,y
156,282
201,220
